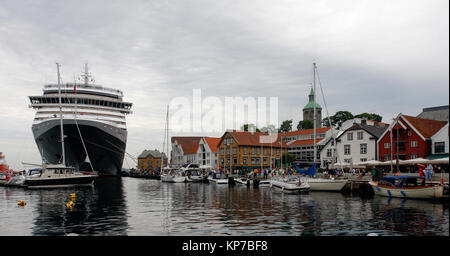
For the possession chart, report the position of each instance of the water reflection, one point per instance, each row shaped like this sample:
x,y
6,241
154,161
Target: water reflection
x,y
410,217
131,206
99,210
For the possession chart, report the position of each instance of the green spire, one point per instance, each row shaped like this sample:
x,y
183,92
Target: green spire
x,y
310,104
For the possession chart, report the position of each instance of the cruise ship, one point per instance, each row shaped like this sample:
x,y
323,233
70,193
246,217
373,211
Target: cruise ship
x,y
93,118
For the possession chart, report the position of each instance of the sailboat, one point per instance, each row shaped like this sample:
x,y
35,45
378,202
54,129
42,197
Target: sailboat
x,y
319,184
172,175
59,175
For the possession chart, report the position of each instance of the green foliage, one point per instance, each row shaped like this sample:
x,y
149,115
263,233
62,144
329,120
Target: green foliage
x,y
250,128
370,116
288,158
286,126
305,124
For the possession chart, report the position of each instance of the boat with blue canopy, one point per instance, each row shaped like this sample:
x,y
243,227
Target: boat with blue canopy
x,y
406,186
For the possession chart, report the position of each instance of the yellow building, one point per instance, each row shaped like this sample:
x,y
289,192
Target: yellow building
x,y
151,160
250,150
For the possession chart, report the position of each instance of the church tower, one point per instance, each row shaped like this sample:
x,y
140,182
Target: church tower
x,y
308,110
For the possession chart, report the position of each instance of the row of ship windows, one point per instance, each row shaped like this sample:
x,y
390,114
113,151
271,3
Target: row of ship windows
x,y
45,100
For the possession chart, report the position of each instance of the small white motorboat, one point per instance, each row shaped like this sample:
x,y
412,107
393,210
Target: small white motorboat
x,y
290,185
264,183
243,181
321,184
193,173
218,178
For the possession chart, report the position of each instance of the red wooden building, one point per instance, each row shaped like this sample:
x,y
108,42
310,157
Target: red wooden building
x,y
411,138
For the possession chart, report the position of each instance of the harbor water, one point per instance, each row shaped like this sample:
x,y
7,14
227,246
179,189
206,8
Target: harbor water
x,y
141,207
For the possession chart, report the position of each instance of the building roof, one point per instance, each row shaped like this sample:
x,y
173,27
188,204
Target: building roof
x,y
212,143
375,131
188,144
439,113
426,127
154,153
253,138
310,104
304,132
303,142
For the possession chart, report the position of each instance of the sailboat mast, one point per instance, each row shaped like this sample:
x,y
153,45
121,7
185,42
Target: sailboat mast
x,y
164,144
60,117
314,115
167,145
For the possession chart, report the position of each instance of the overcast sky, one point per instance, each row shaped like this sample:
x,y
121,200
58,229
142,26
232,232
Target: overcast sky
x,y
376,56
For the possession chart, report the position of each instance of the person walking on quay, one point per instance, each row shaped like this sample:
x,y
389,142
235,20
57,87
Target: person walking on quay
x,y
374,173
429,172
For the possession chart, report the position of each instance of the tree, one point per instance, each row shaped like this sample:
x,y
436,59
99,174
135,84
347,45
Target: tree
x,y
288,158
270,128
250,128
305,124
326,123
370,116
340,117
286,126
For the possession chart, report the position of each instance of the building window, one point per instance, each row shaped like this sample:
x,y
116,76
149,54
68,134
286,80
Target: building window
x,y
257,151
387,157
413,156
221,151
253,160
329,152
253,150
234,160
221,161
228,151
360,135
363,148
245,150
348,160
245,160
257,160
265,160
363,159
409,133
439,147
347,150
265,151
414,143
387,145
234,151
350,136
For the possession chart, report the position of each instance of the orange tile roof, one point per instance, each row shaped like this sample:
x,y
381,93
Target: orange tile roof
x,y
307,131
212,143
253,139
188,144
303,142
426,127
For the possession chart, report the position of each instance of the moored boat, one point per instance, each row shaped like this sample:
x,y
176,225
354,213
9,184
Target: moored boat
x,y
321,184
172,175
218,178
290,185
57,176
407,187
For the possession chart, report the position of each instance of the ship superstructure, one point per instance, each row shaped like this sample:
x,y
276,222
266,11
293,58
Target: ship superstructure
x,y
95,132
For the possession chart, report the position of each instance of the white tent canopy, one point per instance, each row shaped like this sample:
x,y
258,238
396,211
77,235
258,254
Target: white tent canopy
x,y
369,163
414,161
439,161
